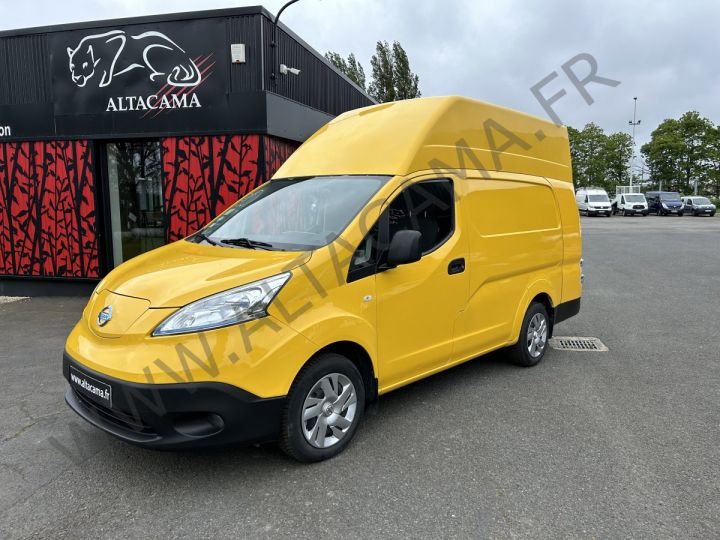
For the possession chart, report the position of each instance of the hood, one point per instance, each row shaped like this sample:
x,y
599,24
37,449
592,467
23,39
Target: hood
x,y
672,203
182,272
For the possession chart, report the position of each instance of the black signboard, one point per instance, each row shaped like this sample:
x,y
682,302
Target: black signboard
x,y
162,76
140,78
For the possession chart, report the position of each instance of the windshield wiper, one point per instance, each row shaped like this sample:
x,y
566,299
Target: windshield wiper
x,y
246,243
203,236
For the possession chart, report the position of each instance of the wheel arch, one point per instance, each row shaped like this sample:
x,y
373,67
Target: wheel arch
x,y
357,354
537,293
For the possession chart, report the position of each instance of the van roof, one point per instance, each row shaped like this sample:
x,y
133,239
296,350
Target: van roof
x,y
436,133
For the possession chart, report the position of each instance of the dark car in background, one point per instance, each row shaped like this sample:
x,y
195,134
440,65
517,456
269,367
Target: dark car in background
x,y
664,203
699,206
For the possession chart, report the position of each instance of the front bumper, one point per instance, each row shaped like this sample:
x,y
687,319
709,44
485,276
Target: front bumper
x,y
174,416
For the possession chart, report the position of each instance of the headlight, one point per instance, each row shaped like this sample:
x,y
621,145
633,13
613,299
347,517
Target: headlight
x,y
664,205
230,307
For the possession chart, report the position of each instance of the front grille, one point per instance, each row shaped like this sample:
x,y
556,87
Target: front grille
x,y
118,418
638,207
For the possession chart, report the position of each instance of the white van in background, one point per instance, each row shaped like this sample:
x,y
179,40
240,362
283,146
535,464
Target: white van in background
x,y
630,204
593,202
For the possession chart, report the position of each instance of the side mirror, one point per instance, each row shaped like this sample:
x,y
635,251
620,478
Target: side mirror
x,y
404,248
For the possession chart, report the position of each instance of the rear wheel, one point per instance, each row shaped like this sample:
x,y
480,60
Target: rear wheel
x,y
323,410
534,333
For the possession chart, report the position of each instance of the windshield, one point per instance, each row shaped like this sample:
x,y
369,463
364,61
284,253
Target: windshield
x,y
598,198
701,200
669,197
635,198
294,214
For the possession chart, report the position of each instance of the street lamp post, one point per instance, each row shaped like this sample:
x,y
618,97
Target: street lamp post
x,y
633,123
273,43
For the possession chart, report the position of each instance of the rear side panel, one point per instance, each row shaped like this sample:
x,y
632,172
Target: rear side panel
x,y
572,243
516,252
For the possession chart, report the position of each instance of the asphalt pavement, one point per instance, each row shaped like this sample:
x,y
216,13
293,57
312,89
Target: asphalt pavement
x,y
617,444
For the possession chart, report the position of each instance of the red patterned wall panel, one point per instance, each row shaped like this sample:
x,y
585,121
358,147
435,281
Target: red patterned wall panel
x,y
47,209
276,152
202,176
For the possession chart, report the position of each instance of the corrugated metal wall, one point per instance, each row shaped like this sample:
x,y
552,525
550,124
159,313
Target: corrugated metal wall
x,y
246,77
318,85
25,69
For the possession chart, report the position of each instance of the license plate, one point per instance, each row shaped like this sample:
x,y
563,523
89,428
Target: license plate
x,y
88,386
707,211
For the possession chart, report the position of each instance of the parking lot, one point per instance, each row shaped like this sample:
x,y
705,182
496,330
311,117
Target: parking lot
x,y
624,443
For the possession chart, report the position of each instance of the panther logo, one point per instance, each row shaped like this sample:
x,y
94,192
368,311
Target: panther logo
x,y
109,55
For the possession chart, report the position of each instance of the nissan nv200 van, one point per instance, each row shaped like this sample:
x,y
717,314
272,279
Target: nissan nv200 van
x,y
380,253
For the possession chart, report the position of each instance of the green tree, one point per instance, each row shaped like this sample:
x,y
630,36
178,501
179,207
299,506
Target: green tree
x,y
618,153
407,84
350,67
392,78
682,152
599,159
713,183
588,154
382,87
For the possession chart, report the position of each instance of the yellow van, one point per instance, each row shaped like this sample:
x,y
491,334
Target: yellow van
x,y
400,240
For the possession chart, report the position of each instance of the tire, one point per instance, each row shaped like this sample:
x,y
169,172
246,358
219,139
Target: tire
x,y
625,213
680,214
520,354
319,388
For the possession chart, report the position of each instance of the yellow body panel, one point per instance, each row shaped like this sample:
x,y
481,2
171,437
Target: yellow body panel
x,y
438,133
516,226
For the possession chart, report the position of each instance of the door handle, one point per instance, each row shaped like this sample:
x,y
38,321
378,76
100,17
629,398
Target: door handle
x,y
456,266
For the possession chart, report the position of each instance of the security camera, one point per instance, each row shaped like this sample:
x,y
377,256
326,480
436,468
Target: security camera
x,y
285,70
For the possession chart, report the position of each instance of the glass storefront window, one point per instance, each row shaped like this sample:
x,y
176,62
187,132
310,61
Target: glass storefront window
x,y
136,198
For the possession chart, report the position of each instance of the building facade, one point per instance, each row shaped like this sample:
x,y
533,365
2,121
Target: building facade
x,y
119,136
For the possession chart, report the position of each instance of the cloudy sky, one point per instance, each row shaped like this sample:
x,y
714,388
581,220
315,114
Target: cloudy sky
x,y
663,51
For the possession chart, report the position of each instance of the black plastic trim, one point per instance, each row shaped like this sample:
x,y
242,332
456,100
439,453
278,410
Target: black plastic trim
x,y
165,416
566,310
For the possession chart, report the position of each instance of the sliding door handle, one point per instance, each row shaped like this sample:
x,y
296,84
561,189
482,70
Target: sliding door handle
x,y
456,266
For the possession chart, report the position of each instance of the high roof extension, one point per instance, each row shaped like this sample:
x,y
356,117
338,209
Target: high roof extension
x,y
436,133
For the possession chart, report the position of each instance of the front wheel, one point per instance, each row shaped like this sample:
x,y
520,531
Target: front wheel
x,y
323,409
534,334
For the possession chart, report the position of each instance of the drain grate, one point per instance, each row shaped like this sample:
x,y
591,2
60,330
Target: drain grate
x,y
579,344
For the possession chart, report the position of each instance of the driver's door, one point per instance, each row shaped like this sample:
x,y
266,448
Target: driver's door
x,y
419,302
